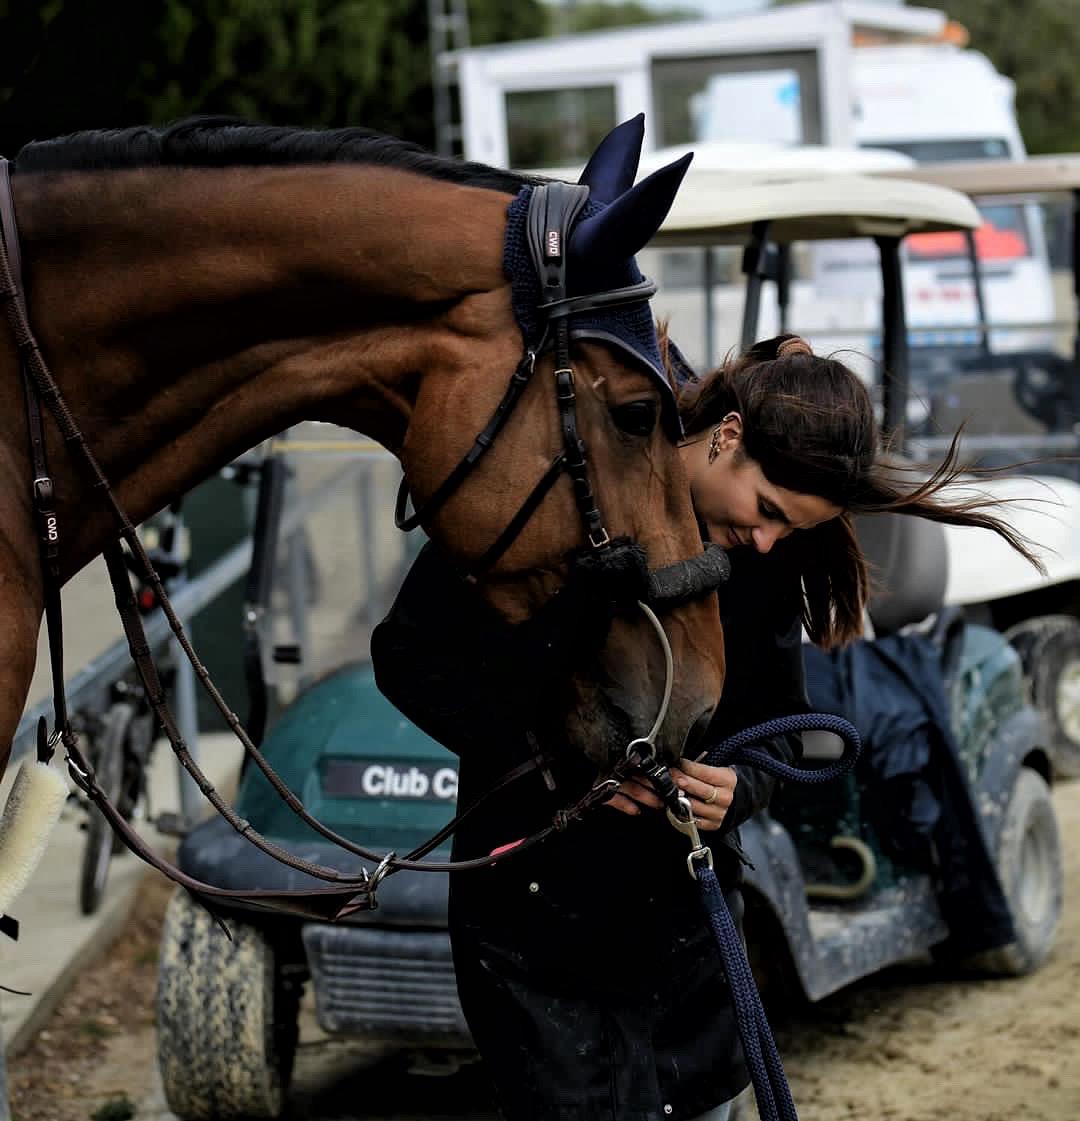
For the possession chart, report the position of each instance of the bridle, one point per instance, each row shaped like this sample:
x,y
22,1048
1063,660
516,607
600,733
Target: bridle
x,y
552,211
553,208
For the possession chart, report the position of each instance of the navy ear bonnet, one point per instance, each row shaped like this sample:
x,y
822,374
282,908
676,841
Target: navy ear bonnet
x,y
617,220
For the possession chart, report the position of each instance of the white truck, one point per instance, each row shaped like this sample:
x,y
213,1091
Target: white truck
x,y
815,74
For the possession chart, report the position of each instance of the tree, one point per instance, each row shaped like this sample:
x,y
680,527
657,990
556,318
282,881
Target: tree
x,y
71,64
1035,43
596,15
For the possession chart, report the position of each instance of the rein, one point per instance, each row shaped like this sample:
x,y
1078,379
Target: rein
x,y
772,1093
552,211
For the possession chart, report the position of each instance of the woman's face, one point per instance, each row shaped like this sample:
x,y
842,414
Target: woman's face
x,y
736,503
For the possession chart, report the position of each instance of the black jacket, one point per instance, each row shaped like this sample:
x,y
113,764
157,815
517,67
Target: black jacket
x,y
585,967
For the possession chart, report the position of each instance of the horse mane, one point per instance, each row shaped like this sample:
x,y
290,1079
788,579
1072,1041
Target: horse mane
x,y
209,141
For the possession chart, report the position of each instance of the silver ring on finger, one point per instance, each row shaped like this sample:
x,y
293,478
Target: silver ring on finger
x,y
712,796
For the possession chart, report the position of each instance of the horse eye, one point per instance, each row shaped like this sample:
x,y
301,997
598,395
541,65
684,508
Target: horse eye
x,y
638,418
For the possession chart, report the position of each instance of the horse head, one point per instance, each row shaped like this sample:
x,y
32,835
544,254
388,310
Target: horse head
x,y
196,289
594,379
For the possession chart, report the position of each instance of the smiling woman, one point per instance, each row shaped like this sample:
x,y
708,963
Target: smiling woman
x,y
781,443
781,448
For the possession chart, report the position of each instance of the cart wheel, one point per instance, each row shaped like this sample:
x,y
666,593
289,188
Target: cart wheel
x,y
227,1024
108,762
1030,865
1049,649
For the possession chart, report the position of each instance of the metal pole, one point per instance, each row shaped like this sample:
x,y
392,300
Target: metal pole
x,y
754,268
1076,279
783,284
187,721
296,583
895,366
1074,380
437,40
367,496
980,292
709,280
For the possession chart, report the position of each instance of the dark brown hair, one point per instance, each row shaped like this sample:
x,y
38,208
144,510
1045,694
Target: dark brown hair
x,y
809,423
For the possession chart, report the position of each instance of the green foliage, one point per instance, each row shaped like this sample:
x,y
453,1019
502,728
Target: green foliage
x,y
595,15
68,64
1036,43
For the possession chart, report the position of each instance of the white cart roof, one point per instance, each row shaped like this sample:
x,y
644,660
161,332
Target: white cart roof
x,y
718,207
796,160
1037,175
760,159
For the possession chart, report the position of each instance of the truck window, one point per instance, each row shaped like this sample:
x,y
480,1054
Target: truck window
x,y
557,127
749,97
1002,237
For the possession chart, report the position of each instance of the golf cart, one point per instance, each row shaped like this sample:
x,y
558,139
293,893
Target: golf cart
x,y
837,926
228,1006
1020,402
227,1009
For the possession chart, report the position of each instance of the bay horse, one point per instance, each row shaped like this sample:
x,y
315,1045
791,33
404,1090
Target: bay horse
x,y
199,288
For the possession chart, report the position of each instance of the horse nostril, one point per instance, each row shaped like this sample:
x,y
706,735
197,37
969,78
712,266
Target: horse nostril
x,y
695,735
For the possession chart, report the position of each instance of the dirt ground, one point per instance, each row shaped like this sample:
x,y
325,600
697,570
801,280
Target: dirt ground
x,y
913,1044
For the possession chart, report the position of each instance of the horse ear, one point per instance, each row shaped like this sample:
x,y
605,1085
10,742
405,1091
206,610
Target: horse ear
x,y
623,227
613,166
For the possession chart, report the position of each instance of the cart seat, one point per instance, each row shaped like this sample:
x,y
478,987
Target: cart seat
x,y
909,568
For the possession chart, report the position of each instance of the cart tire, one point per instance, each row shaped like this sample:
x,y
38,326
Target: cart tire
x,y
108,762
1030,866
1049,649
227,1025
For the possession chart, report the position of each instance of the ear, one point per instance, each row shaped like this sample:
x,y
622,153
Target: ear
x,y
627,224
612,168
731,424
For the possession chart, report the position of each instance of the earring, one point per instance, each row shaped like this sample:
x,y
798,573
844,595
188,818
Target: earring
x,y
714,439
714,443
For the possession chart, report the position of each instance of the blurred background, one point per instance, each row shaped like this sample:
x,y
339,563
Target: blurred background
x,y
536,83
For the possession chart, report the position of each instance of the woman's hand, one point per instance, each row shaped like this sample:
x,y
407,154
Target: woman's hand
x,y
710,790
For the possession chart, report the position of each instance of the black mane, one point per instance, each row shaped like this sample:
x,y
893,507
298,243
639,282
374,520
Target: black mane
x,y
229,142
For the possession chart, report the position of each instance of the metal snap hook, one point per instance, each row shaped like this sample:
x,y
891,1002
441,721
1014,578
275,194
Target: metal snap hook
x,y
685,822
378,875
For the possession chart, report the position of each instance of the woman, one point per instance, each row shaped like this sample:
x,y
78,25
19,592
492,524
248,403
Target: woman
x,y
585,967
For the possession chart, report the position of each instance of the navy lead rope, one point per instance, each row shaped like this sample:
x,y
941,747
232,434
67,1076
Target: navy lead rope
x,y
774,1101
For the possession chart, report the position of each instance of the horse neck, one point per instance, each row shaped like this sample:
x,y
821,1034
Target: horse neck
x,y
186,315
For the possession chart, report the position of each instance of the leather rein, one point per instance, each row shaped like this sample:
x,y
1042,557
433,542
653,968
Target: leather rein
x,y
552,211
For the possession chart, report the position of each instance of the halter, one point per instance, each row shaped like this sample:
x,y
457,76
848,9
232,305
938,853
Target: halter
x,y
552,211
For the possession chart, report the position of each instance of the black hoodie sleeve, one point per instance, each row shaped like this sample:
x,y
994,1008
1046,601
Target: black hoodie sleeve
x,y
761,615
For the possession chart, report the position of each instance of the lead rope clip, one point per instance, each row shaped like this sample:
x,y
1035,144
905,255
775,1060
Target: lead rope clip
x,y
684,821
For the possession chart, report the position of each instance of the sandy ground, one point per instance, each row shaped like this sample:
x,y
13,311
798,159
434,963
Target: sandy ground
x,y
912,1044
917,1045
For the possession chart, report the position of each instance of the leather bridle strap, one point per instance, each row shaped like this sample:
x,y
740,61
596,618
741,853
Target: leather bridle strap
x,y
354,889
42,491
518,380
553,209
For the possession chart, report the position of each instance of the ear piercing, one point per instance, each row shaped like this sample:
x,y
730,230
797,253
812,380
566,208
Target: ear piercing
x,y
714,443
714,439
